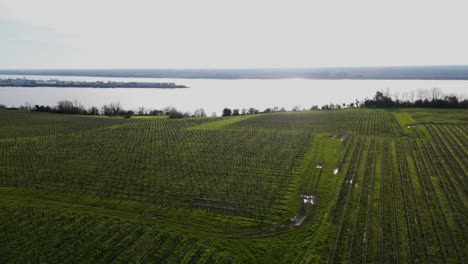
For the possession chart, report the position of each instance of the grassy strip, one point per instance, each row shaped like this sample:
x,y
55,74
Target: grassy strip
x,y
223,123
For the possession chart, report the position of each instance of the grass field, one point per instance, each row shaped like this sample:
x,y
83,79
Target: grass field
x,y
355,186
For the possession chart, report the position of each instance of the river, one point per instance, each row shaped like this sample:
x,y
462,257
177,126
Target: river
x,y
213,95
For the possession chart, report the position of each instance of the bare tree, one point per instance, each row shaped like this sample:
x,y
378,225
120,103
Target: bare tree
x,y
296,108
396,96
199,112
412,95
27,106
386,92
422,94
436,93
141,110
93,111
114,108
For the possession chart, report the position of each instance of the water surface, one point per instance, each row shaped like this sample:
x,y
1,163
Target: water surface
x,y
213,95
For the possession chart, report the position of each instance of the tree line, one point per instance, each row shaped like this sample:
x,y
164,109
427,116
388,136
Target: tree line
x,y
422,98
111,109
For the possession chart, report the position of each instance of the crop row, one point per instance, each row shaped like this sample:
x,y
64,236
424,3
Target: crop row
x,y
74,237
240,173
396,202
341,122
17,124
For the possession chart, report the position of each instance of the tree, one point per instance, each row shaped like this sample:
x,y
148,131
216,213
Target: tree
x,y
436,93
93,111
114,108
156,112
235,112
252,111
296,108
64,106
172,112
423,94
380,100
26,106
227,112
325,107
141,110
69,107
199,112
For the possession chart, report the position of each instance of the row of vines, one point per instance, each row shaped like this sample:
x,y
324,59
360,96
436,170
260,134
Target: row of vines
x,y
402,200
243,174
34,235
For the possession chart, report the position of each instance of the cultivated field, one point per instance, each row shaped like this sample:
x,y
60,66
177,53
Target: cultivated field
x,y
354,186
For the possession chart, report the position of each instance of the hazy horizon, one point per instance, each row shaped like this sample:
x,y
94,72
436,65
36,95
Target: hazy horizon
x,y
243,68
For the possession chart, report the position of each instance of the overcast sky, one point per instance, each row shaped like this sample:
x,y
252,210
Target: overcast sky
x,y
231,34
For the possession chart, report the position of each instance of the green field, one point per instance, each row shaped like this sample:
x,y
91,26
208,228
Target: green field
x,y
342,186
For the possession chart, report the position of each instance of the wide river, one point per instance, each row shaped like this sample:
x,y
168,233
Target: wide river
x,y
214,95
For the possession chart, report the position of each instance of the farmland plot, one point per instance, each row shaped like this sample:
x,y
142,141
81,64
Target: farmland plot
x,y
419,214
338,122
18,124
75,237
354,186
244,174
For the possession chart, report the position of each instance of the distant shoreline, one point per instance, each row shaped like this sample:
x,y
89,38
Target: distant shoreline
x,y
342,73
23,82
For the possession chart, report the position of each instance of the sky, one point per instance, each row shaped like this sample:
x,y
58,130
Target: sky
x,y
231,34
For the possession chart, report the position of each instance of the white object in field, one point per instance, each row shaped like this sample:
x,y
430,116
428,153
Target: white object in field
x,y
351,181
308,198
335,171
319,166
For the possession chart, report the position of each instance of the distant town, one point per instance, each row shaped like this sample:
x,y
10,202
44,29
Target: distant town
x,y
23,82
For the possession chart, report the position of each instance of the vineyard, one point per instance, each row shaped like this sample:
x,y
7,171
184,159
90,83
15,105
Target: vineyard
x,y
87,238
344,186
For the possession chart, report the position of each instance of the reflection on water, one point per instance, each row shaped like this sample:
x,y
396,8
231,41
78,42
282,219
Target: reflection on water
x,y
214,95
